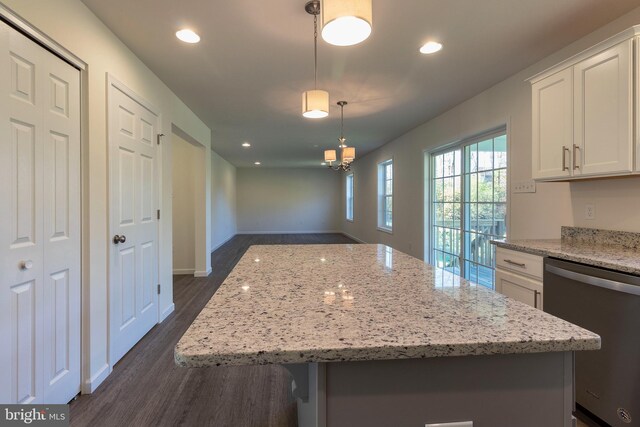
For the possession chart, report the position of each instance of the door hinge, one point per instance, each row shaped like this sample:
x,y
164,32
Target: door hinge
x,y
158,289
158,213
160,135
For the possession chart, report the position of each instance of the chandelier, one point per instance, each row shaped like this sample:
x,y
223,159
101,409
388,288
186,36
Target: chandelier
x,y
347,154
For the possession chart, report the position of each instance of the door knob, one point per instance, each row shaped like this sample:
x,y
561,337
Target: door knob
x,y
26,265
119,239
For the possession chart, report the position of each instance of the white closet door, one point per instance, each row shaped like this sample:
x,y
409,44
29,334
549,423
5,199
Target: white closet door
x,y
35,282
133,298
61,206
21,249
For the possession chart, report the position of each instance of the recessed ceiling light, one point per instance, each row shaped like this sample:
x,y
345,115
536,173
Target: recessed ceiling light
x,y
257,163
246,144
431,47
188,36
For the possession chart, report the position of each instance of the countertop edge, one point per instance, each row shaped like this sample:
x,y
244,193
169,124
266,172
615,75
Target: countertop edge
x,y
567,256
386,353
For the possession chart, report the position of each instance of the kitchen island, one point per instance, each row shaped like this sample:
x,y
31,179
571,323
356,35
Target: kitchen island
x,y
376,337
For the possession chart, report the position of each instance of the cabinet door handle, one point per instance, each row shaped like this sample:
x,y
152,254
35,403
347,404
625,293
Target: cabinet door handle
x,y
518,264
564,158
535,299
575,157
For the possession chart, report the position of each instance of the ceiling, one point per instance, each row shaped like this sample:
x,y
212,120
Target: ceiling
x,y
245,78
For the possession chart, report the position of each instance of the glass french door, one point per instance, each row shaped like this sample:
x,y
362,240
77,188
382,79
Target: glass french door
x,y
469,206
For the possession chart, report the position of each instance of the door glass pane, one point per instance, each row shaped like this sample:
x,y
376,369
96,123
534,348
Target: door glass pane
x,y
469,206
486,206
446,209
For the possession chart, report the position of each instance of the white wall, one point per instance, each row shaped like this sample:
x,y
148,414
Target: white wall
x,y
288,200
223,201
185,156
74,26
538,215
617,203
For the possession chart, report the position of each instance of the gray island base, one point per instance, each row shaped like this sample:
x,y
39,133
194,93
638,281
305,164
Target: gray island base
x,y
524,390
374,337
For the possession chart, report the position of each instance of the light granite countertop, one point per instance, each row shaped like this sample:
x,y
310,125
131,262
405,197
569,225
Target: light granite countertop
x,y
614,250
323,303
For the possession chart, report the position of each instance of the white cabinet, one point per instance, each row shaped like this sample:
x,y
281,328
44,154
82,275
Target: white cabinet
x,y
603,121
519,288
637,97
552,130
519,276
583,113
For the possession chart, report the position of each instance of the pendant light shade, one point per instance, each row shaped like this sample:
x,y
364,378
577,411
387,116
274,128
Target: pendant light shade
x,y
346,22
329,156
348,154
315,104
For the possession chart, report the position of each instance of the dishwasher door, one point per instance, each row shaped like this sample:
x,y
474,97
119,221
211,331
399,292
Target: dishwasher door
x,y
607,303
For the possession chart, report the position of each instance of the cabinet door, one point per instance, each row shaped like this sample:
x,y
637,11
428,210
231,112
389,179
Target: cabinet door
x,y
603,122
519,288
637,95
552,132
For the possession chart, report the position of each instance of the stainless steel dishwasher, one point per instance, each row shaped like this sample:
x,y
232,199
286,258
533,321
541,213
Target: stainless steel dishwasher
x,y
607,303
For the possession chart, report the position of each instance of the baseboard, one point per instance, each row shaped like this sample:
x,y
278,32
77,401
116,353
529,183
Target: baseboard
x,y
94,382
352,237
293,232
203,273
167,312
181,271
220,244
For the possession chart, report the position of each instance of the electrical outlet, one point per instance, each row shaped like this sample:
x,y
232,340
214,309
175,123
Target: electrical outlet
x,y
524,187
589,211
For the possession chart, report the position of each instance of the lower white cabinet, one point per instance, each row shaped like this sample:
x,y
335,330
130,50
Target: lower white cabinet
x,y
519,276
519,288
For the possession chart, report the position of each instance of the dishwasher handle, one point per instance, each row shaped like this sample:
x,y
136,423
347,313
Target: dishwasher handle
x,y
595,281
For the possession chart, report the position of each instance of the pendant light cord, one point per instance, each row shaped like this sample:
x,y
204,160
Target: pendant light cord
x,y
341,124
315,50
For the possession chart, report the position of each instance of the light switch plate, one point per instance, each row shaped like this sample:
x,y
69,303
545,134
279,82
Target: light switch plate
x,y
524,187
456,424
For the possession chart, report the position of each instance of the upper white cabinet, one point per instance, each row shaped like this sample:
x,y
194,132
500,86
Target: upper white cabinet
x,y
637,96
583,113
553,125
603,106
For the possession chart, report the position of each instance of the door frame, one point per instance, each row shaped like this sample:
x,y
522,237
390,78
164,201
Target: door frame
x,y
112,81
21,25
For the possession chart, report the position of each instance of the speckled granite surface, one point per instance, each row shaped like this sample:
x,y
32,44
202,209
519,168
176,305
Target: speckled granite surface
x,y
324,303
614,250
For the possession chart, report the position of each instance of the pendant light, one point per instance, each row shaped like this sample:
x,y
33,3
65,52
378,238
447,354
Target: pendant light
x,y
346,22
347,154
315,103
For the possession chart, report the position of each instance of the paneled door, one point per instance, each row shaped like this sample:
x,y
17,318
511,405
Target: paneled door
x,y
133,190
39,224
552,126
604,120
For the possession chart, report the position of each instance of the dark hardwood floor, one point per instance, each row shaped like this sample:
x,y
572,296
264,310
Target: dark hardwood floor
x,y
147,389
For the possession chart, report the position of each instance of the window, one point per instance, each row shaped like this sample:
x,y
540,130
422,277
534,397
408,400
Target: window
x,y
385,195
469,205
349,194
